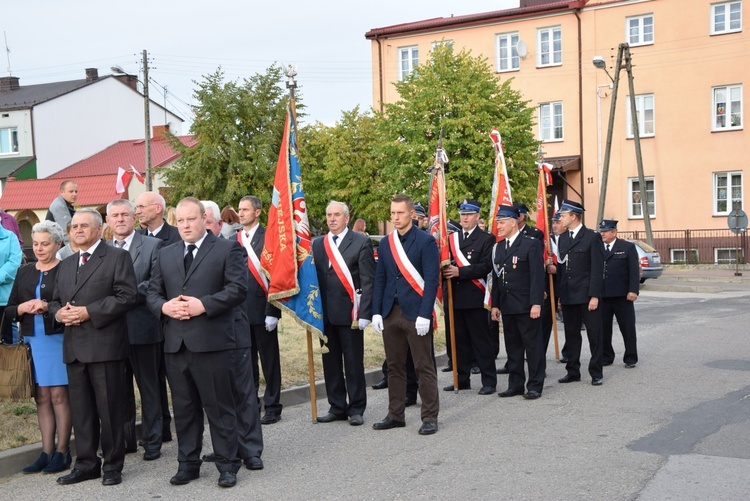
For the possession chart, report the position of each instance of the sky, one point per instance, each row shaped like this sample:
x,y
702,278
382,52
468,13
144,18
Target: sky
x,y
52,41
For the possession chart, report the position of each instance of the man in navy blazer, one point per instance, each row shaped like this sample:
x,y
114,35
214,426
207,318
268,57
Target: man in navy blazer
x,y
582,256
344,282
406,282
144,332
622,274
195,290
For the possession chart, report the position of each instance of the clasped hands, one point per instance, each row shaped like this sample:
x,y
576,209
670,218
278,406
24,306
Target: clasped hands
x,y
183,307
72,315
33,307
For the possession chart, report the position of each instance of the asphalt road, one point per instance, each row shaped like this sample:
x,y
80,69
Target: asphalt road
x,y
675,427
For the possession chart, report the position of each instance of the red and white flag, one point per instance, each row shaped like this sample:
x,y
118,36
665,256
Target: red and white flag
x,y
438,222
137,174
123,180
500,183
545,179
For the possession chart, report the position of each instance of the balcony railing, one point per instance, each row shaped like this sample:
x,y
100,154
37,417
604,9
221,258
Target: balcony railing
x,y
697,246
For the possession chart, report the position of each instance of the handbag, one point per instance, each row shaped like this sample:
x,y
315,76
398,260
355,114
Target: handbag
x,y
16,372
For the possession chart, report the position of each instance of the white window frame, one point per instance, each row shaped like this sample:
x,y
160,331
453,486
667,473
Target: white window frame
x,y
717,112
511,59
634,198
554,55
728,198
550,111
11,139
732,255
680,256
724,9
646,116
412,53
641,36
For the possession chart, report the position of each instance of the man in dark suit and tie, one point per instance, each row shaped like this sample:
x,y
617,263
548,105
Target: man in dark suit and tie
x,y
202,347
144,332
471,262
582,255
403,302
525,229
622,274
95,289
346,269
518,294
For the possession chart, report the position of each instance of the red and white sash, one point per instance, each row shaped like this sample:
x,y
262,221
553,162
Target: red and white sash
x,y
253,263
408,270
344,275
461,261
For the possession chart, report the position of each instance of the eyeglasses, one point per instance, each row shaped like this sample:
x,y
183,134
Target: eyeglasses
x,y
141,207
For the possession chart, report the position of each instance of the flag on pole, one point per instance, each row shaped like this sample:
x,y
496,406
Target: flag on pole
x,y
137,174
123,179
438,222
545,179
287,258
500,182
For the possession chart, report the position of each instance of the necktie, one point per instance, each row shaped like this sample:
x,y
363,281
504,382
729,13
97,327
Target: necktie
x,y
571,235
119,244
85,258
507,244
247,235
607,247
189,256
466,235
335,238
150,234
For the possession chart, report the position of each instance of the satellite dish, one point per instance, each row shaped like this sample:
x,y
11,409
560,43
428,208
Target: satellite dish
x,y
521,49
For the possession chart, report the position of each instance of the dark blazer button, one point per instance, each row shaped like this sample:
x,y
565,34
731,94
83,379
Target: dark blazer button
x,y
43,286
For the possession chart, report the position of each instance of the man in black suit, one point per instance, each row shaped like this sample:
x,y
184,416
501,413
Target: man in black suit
x,y
346,268
202,347
622,274
582,255
144,332
471,262
525,229
552,266
94,290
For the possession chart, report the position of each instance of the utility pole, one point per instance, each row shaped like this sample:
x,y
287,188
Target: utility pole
x,y
147,122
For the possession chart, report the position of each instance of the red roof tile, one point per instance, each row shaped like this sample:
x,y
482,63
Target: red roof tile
x,y
39,193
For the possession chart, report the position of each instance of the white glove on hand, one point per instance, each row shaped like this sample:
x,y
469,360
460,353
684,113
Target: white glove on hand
x,y
377,323
271,323
363,323
423,325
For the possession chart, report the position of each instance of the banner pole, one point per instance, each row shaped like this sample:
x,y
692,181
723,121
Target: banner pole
x,y
311,371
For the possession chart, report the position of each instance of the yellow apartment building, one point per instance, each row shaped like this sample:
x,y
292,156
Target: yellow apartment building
x,y
690,61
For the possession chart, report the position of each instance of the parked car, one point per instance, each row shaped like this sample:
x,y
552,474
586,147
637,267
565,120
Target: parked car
x,y
375,239
650,260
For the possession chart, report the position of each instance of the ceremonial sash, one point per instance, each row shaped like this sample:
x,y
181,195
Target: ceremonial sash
x,y
461,261
408,271
344,275
253,263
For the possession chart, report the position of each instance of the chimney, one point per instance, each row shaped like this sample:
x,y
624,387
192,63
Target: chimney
x,y
9,83
160,132
92,74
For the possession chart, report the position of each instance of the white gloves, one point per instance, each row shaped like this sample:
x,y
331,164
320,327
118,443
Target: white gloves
x,y
377,323
423,325
362,323
271,323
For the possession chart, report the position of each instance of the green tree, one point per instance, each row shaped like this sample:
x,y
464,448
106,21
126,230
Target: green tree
x,y
460,94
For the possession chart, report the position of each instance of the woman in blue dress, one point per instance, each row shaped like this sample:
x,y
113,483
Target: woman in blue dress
x,y
27,304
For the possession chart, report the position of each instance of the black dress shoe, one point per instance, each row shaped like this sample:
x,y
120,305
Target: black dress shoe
x,y
569,379
331,417
409,401
597,381
184,477
487,390
387,424
209,458
447,368
428,428
510,392
532,395
476,370
270,418
380,385
563,360
630,366
503,370
227,479
254,463
76,476
112,478
151,455
450,387
131,450
606,364
356,420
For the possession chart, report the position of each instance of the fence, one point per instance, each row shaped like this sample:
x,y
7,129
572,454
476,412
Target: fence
x,y
696,246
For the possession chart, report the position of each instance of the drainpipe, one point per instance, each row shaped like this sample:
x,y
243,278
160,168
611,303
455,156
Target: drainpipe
x,y
380,72
580,100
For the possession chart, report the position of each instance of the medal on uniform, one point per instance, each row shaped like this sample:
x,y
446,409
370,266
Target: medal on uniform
x,y
515,260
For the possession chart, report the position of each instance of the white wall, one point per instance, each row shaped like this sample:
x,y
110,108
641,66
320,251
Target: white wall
x,y
21,120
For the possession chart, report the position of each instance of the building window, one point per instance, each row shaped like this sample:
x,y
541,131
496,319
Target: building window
x,y
681,256
727,192
726,17
634,196
644,108
8,141
728,255
549,46
639,30
408,60
507,52
551,121
727,107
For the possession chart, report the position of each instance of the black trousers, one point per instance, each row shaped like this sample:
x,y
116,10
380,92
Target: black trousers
x,y
97,393
523,336
249,431
624,311
575,316
265,347
143,363
344,370
473,346
166,416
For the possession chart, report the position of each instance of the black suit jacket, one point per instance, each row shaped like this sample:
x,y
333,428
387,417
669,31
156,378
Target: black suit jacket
x,y
168,233
532,232
518,283
477,249
24,289
622,271
218,277
583,269
256,304
356,249
106,286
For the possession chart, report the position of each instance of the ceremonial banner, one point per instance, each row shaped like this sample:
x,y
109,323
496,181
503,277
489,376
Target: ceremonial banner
x,y
500,183
438,222
545,179
287,258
